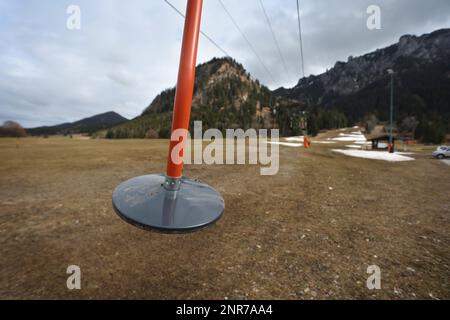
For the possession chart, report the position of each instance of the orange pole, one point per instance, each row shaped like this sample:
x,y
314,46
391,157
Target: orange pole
x,y
305,142
185,83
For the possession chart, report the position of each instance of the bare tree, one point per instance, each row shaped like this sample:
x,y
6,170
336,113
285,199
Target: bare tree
x,y
370,121
151,134
409,124
12,129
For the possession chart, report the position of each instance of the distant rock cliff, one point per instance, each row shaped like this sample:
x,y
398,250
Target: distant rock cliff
x,y
410,54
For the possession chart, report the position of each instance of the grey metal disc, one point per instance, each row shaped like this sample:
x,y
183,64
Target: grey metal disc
x,y
145,203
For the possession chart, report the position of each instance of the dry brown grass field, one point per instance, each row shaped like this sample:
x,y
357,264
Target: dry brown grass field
x,y
309,232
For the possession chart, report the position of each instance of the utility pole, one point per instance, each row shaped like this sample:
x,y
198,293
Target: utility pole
x,y
391,118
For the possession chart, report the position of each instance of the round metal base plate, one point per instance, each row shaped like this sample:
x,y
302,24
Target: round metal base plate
x,y
145,203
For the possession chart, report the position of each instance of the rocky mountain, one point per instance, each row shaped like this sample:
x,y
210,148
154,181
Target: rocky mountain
x,y
225,96
361,85
87,125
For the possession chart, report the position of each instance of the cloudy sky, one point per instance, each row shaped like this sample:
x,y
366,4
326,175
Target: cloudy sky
x,y
126,52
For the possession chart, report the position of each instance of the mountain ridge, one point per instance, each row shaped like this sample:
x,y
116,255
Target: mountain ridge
x,y
86,125
422,66
427,47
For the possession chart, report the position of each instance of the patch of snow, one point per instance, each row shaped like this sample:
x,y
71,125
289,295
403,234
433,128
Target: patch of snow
x,y
447,162
287,144
354,134
374,155
297,139
355,127
324,142
351,138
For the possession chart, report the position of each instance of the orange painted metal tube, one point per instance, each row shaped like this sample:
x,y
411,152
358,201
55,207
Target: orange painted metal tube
x,y
185,83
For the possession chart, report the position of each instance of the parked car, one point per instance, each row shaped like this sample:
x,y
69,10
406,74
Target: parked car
x,y
442,152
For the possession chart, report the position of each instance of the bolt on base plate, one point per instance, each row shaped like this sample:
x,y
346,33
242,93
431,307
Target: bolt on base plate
x,y
146,203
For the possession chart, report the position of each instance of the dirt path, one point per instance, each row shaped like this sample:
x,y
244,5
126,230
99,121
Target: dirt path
x,y
309,232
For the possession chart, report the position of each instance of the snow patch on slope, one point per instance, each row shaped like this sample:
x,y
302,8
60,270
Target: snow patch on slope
x,y
374,155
